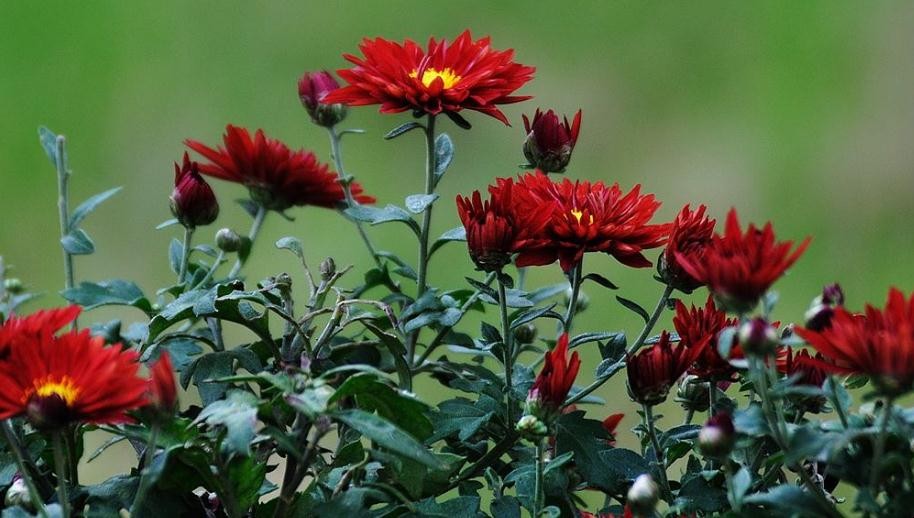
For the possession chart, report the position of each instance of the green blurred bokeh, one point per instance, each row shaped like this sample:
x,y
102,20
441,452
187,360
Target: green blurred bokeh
x,y
796,112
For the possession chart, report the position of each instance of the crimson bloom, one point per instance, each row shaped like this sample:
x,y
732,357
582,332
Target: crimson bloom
x,y
691,232
655,369
162,393
551,386
878,344
44,322
494,228
276,176
739,268
698,328
806,371
56,381
549,142
586,217
445,78
193,202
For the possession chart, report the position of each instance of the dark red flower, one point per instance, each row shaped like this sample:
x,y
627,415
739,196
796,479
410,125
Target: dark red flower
x,y
495,229
807,371
312,88
447,78
690,234
610,424
655,369
61,380
193,202
739,268
162,392
879,344
549,142
276,176
698,328
38,324
586,217
551,386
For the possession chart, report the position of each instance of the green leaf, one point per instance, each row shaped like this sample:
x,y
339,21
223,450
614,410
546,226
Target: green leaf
x,y
532,314
116,292
459,415
48,141
167,223
444,155
587,439
387,435
237,414
373,395
634,307
418,203
454,234
401,129
789,498
742,481
808,443
246,476
112,495
505,507
293,245
599,279
87,207
377,215
699,495
175,255
77,242
460,507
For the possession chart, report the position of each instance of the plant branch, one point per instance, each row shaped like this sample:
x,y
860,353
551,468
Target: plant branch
x,y
658,453
63,209
575,281
143,489
508,339
252,235
26,467
60,465
185,253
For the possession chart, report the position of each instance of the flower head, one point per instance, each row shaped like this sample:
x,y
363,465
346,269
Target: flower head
x,y
193,202
60,380
655,369
739,268
39,324
447,77
162,393
878,344
586,217
698,328
495,229
276,176
690,234
549,142
551,386
312,88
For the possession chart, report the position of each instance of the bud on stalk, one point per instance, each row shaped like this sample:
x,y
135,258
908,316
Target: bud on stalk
x,y
312,88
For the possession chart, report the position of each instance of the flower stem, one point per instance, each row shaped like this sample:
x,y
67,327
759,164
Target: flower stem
x,y
575,281
185,253
508,338
63,209
60,465
658,453
879,446
836,402
345,183
427,214
209,274
252,235
24,466
447,329
539,496
143,489
490,456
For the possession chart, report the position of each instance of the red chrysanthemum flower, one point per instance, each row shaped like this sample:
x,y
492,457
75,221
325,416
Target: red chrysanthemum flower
x,y
447,78
276,176
61,380
193,202
162,392
549,142
655,369
41,323
551,386
690,234
586,217
879,344
806,371
739,268
495,229
698,328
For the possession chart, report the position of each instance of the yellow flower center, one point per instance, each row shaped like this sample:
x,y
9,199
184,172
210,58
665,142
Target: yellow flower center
x,y
580,214
64,388
448,77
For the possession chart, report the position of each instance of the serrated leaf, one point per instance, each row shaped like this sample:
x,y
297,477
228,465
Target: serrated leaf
x,y
114,292
387,435
87,207
459,415
48,141
237,414
459,507
417,203
699,495
373,395
77,242
401,129
634,307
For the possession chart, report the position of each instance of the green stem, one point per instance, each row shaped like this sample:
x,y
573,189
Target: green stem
x,y
60,465
345,183
508,338
185,253
447,329
658,453
252,235
72,459
879,446
26,468
575,281
490,456
688,417
212,271
836,402
143,489
63,209
538,489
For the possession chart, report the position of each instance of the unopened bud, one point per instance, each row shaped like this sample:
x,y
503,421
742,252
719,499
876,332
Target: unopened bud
x,y
18,494
693,394
228,240
525,334
193,202
642,497
550,141
716,437
13,285
758,337
327,268
312,88
820,312
531,427
583,300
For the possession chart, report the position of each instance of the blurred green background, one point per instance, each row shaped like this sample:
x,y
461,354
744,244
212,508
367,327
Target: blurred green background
x,y
801,113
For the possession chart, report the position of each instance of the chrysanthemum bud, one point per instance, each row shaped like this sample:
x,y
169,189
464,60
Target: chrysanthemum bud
x,y
228,240
13,285
525,334
549,142
312,88
643,496
583,300
693,394
531,427
18,494
717,436
192,201
328,268
820,312
758,337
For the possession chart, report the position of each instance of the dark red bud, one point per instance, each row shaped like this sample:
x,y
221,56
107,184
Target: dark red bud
x,y
193,202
